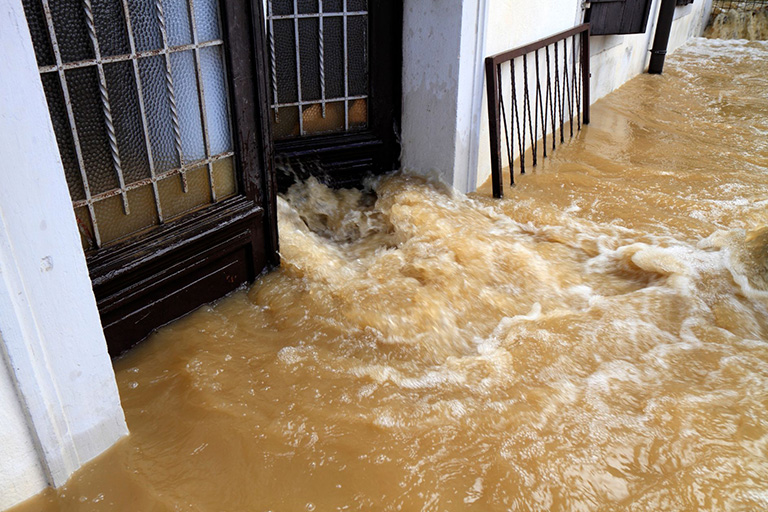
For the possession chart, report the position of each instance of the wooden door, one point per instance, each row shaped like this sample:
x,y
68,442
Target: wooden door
x,y
335,87
159,110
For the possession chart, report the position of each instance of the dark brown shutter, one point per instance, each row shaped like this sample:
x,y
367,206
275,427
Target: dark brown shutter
x,y
609,17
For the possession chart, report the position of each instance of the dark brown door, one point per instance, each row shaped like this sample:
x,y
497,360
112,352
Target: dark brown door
x,y
160,114
334,84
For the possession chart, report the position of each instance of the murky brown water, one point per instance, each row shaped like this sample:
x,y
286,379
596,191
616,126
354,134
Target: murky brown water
x,y
596,341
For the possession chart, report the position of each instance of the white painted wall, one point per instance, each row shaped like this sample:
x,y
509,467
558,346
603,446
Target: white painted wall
x,y
442,56
445,130
60,404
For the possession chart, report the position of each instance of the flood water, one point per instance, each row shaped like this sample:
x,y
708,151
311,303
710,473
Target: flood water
x,y
598,340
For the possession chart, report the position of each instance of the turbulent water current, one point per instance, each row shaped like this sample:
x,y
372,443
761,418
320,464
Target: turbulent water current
x,y
598,340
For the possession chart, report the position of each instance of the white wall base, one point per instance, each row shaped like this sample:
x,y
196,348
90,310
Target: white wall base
x,y
56,383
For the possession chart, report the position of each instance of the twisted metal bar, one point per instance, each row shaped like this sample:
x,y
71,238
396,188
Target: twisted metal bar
x,y
273,61
171,93
321,49
106,107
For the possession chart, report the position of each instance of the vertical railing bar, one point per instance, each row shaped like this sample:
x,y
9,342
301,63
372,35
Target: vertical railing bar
x,y
201,96
568,81
515,122
527,105
73,126
576,89
106,106
171,93
492,84
585,74
321,49
540,109
502,108
298,61
142,108
273,61
346,71
559,96
550,98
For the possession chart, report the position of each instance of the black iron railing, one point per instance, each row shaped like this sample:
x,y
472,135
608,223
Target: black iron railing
x,y
558,94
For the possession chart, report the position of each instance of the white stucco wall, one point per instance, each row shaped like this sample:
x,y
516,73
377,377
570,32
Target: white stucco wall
x,y
57,376
21,474
442,55
445,129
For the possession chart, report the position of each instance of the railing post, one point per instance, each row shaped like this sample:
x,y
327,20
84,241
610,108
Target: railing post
x,y
585,74
492,87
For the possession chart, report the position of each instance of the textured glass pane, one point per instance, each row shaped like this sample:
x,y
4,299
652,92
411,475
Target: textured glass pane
x,y
175,202
357,51
212,66
307,6
333,32
87,238
38,28
83,86
333,6
188,103
281,6
358,114
224,178
110,27
71,32
158,108
314,122
286,123
357,5
207,20
115,224
63,130
285,61
146,30
177,22
310,59
126,117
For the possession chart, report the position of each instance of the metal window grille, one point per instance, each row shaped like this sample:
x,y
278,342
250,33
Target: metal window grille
x,y
137,94
318,66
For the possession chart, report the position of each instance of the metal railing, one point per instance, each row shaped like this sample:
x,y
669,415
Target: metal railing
x,y
564,93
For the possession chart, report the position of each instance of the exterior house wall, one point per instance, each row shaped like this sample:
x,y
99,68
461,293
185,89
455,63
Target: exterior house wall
x,y
59,400
434,142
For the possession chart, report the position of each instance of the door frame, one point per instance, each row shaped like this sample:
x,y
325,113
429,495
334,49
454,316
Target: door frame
x,y
147,281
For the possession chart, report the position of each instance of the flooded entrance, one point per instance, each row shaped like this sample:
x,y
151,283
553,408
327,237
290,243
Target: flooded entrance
x,y
598,340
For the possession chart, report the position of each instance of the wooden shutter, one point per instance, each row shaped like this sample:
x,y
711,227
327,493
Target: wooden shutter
x,y
608,17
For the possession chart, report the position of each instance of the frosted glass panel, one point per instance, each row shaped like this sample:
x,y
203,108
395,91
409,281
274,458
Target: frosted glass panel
x,y
91,128
188,103
124,101
224,179
146,30
207,20
131,124
175,201
177,22
152,72
115,224
212,66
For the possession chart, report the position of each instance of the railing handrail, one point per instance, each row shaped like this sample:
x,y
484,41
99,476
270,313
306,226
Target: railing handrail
x,y
508,55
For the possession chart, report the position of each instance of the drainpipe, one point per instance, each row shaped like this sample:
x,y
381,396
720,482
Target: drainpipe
x,y
663,28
